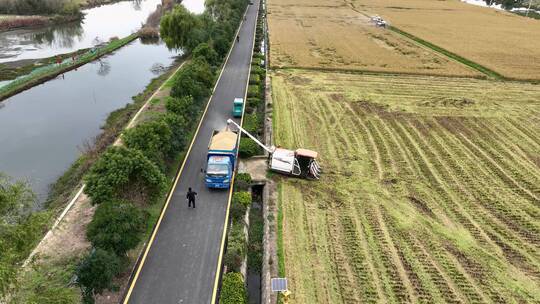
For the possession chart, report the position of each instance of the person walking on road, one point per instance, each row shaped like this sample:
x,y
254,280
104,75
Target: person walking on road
x,y
190,196
237,38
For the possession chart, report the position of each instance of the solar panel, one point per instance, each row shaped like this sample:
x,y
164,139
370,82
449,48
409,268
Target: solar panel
x,y
279,284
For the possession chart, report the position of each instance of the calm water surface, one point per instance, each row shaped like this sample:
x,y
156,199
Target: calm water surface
x,y
99,25
42,129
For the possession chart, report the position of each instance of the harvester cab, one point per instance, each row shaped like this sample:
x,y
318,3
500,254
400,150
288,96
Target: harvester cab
x,y
301,162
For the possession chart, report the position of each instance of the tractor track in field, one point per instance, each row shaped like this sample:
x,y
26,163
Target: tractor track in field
x,y
418,208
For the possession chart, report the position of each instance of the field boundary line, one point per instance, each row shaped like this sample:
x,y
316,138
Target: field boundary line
x,y
480,68
375,73
171,191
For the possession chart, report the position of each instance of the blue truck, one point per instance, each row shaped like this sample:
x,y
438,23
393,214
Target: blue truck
x,y
221,159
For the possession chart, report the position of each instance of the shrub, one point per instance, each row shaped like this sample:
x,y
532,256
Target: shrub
x,y
248,148
242,182
236,247
123,173
254,91
244,177
255,69
194,79
253,103
251,123
254,79
116,227
258,57
152,138
240,201
96,272
233,290
242,198
207,53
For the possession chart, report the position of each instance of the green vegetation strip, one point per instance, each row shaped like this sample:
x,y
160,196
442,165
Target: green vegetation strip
x,y
49,72
449,54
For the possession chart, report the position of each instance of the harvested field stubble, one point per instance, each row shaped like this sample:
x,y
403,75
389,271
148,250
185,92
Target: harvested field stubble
x,y
330,34
501,41
430,192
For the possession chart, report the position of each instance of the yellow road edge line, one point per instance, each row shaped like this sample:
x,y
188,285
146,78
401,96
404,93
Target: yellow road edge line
x,y
169,196
224,236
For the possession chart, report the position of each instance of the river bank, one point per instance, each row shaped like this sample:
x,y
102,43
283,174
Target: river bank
x,y
11,22
100,25
67,63
55,120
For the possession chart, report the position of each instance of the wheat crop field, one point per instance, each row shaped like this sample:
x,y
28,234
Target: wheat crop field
x,y
331,35
501,41
430,191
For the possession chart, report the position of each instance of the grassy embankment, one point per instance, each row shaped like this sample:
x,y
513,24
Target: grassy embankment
x,y
55,272
430,191
52,71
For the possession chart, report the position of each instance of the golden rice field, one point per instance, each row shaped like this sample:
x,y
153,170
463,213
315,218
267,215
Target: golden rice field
x,y
504,42
330,34
430,191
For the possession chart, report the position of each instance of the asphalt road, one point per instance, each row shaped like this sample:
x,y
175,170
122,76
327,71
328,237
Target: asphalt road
x,y
181,264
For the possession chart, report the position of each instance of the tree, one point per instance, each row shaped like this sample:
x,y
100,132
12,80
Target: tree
x,y
179,128
179,29
116,226
195,79
183,106
122,173
96,272
206,52
152,138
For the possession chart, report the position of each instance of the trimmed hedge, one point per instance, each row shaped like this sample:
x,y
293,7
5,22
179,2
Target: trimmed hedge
x,y
254,91
240,201
254,79
233,290
236,247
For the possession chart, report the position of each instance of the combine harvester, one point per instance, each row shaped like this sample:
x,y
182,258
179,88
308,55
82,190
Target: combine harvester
x,y
301,163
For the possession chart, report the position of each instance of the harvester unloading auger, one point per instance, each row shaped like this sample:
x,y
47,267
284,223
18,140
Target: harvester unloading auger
x,y
301,162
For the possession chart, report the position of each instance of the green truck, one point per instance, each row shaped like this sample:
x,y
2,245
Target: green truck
x,y
238,107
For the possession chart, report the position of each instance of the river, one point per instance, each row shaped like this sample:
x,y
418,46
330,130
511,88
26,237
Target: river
x,y
99,25
43,128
